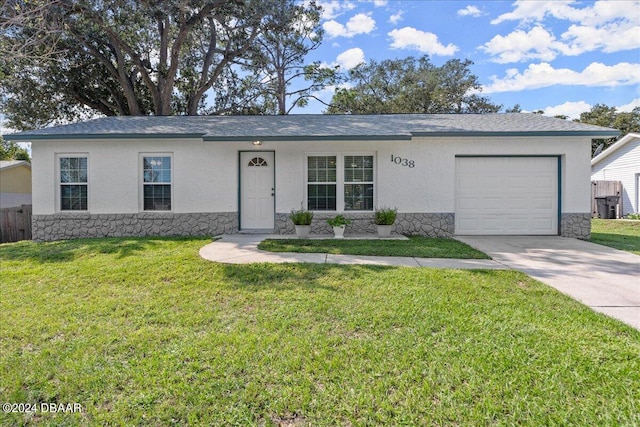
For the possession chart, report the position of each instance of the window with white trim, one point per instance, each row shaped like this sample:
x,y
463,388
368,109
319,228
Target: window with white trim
x,y
358,183
321,183
73,183
156,183
340,182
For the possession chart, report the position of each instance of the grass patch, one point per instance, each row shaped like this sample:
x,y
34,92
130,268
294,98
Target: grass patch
x,y
619,234
144,332
419,247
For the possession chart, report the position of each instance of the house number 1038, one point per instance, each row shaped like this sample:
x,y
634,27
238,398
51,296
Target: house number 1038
x,y
403,162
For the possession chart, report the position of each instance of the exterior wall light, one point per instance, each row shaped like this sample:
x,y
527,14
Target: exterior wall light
x,y
257,143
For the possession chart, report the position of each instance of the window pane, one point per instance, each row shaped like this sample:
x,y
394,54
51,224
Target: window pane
x,y
157,197
358,197
358,168
321,169
156,169
73,169
321,197
73,197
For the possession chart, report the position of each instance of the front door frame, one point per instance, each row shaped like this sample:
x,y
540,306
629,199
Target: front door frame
x,y
240,152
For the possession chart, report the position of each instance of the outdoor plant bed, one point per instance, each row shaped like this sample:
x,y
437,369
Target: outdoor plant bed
x,y
416,246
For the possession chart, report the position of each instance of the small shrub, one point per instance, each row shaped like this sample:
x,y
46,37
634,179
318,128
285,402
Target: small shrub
x,y
385,216
634,216
301,217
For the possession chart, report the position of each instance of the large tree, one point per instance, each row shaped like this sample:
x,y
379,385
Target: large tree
x,y
411,85
279,76
61,59
603,115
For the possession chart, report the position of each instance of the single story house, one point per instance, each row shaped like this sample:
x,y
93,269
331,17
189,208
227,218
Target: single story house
x,y
486,174
621,162
15,183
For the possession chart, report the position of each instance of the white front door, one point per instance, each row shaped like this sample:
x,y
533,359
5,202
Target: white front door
x,y
257,190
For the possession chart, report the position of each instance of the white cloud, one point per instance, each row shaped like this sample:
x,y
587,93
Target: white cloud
x,y
544,75
626,108
469,11
611,37
397,17
334,8
537,44
411,38
600,12
379,3
569,109
350,58
608,26
357,24
574,109
540,44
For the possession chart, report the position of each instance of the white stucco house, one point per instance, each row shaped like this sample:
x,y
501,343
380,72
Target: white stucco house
x,y
15,183
487,174
621,162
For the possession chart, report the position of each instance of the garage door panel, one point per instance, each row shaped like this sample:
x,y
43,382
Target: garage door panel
x,y
506,195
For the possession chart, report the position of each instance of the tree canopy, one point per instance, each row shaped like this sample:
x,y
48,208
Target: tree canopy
x,y
603,115
277,60
10,150
411,85
63,60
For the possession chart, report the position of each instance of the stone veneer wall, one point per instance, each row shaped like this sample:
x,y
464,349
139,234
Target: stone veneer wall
x,y
82,225
423,224
576,225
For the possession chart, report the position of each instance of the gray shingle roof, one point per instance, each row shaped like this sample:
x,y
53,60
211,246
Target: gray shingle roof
x,y
316,126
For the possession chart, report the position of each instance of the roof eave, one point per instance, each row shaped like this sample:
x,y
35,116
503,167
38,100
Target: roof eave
x,y
592,134
40,137
23,163
271,138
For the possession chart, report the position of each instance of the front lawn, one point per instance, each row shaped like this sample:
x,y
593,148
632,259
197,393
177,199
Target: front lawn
x,y
419,247
144,332
617,233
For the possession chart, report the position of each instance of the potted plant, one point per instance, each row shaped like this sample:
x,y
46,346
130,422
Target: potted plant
x,y
384,219
302,221
338,223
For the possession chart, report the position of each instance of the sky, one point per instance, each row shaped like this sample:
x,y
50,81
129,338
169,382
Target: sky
x,y
562,57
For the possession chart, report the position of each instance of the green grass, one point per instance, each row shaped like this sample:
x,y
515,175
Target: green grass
x,y
619,234
144,332
420,247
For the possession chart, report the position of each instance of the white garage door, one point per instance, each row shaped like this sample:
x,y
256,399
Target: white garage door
x,y
506,195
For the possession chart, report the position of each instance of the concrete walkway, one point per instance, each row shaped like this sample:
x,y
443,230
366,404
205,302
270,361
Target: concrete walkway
x,y
243,249
603,278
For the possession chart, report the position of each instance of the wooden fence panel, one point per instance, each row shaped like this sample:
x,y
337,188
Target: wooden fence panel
x,y
605,188
15,224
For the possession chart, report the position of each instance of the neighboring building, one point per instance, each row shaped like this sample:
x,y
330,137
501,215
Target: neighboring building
x,y
15,183
621,162
205,175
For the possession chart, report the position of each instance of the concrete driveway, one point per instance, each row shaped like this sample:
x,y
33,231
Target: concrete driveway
x,y
605,279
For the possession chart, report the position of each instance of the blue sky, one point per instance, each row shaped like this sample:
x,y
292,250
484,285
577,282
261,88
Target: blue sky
x,y
562,57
